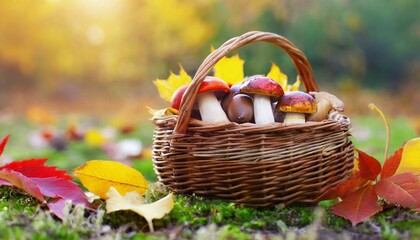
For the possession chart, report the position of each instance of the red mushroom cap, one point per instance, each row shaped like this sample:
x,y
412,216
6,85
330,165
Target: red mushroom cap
x,y
263,86
298,102
177,96
211,83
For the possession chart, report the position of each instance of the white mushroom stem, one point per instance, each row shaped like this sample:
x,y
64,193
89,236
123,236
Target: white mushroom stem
x,y
292,118
210,109
263,112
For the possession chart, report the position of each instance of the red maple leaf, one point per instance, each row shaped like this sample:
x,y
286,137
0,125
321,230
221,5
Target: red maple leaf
x,y
39,180
391,164
3,144
369,167
359,192
36,168
402,189
358,206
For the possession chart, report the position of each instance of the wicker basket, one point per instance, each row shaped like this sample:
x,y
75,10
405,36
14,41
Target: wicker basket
x,y
249,164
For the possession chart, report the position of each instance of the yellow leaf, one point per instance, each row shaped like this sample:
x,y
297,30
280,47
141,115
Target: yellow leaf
x,y
410,160
161,112
295,86
99,175
167,87
277,75
135,202
230,69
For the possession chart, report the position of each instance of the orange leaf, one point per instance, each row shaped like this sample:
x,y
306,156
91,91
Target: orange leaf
x,y
358,206
350,184
369,167
403,189
391,164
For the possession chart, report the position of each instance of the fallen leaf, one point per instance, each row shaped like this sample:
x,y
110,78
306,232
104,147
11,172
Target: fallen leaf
x,y
391,164
57,207
99,175
61,188
410,160
369,167
3,144
35,168
358,206
402,189
135,202
350,184
21,181
230,69
160,112
167,87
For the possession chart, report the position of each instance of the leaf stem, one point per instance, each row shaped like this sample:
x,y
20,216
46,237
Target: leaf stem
x,y
375,108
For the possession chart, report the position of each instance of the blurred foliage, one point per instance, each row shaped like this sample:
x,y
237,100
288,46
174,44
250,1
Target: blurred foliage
x,y
48,42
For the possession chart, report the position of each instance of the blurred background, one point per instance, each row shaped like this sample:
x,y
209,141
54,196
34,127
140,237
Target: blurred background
x,y
98,58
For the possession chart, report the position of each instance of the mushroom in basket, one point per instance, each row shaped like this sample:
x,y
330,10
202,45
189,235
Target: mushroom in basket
x,y
325,103
238,106
208,95
176,102
264,90
296,104
241,109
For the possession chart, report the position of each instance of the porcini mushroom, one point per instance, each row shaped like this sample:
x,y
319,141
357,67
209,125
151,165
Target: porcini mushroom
x,y
234,89
336,103
263,89
177,96
325,103
240,109
208,104
296,104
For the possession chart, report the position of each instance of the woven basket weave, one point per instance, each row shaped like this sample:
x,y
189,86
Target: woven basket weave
x,y
249,164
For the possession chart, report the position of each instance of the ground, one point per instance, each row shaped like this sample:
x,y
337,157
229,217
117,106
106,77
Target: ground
x,y
23,217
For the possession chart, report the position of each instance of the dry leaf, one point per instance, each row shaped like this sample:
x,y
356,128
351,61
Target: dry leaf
x,y
161,112
410,160
230,69
167,87
99,175
135,202
358,206
402,189
277,75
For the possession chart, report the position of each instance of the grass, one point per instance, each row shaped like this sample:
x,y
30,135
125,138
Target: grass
x,y
196,217
22,217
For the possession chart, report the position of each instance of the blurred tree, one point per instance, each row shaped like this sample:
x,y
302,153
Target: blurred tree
x,y
83,41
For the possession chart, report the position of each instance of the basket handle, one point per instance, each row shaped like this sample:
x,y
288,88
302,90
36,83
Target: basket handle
x,y
302,66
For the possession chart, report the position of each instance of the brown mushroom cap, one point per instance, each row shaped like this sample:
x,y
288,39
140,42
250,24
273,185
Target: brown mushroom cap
x,y
241,109
298,102
262,86
234,89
